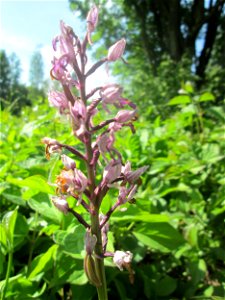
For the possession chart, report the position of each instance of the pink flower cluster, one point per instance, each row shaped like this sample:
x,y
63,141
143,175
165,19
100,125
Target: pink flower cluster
x,y
69,68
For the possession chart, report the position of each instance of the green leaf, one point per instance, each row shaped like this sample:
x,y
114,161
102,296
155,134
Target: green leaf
x,y
161,236
22,288
14,199
8,222
43,205
206,97
21,230
35,183
72,243
3,239
166,286
181,99
135,214
43,262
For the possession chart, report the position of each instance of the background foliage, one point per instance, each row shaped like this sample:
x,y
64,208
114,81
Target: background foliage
x,y
175,228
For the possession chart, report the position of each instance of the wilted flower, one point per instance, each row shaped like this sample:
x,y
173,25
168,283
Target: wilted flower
x,y
122,259
116,51
52,146
90,242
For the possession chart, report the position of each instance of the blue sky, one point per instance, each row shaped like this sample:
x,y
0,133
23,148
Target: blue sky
x,y
26,25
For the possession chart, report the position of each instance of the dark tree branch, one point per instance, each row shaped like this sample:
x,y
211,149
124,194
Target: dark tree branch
x,y
213,22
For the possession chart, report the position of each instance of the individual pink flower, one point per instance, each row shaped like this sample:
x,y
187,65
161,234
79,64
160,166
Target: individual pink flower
x,y
78,112
112,171
60,203
125,116
110,93
80,181
67,41
92,21
72,181
60,72
132,176
116,51
58,100
105,142
126,194
122,259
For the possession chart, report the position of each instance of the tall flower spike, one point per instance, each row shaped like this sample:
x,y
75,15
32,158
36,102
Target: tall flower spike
x,y
116,51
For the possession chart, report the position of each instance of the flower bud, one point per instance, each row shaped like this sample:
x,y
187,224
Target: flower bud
x,y
91,271
125,116
92,18
116,51
60,203
68,162
122,259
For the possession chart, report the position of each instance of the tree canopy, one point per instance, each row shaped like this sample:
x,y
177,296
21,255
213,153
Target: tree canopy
x,y
164,38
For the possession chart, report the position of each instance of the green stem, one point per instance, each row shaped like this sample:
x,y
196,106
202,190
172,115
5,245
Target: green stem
x,y
9,266
99,262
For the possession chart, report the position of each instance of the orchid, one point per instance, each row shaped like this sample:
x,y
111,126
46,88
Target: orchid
x,y
98,146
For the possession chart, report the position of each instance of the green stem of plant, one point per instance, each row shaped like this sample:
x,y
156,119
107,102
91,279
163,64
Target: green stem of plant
x,y
9,266
99,262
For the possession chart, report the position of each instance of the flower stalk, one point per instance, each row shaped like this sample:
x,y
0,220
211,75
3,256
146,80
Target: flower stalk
x,y
98,146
